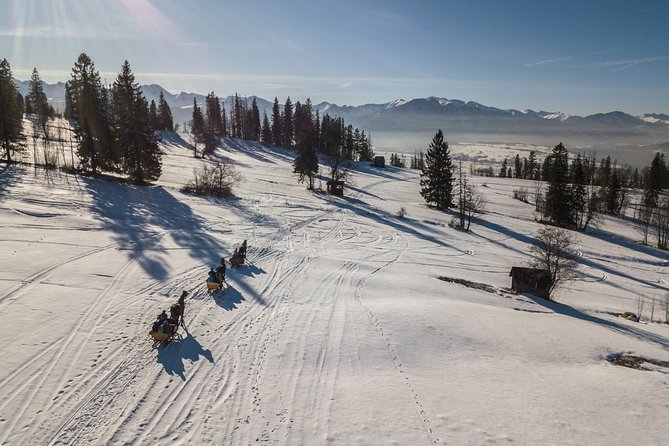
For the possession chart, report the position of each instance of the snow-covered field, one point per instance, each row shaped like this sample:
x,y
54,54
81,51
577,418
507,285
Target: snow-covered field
x,y
337,331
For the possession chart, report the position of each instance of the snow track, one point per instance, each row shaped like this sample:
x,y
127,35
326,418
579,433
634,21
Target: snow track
x,y
335,331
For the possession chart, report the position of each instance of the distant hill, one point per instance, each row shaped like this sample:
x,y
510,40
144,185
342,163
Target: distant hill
x,y
408,125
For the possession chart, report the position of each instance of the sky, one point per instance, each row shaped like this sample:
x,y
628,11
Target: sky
x,y
578,57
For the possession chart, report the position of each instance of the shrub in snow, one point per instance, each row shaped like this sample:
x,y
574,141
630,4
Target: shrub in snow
x,y
630,316
402,212
521,194
217,180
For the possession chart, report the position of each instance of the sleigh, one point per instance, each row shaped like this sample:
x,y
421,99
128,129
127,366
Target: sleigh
x,y
160,337
213,286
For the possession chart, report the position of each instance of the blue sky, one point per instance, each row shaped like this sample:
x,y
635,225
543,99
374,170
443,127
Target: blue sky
x,y
579,57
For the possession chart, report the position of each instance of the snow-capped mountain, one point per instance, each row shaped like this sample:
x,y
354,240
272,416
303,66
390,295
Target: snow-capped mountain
x,y
407,124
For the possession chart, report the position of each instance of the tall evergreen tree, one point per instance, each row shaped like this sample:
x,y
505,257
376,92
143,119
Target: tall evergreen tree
x,y
39,104
287,125
254,124
518,167
306,161
197,126
238,118
503,169
559,197
277,128
214,123
165,114
437,174
92,123
579,192
133,130
11,114
656,181
154,118
224,121
613,194
266,133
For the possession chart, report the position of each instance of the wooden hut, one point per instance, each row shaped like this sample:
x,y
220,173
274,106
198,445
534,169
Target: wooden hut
x,y
531,280
335,187
379,161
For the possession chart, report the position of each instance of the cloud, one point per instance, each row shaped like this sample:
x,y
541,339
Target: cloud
x,y
544,62
627,63
346,85
50,32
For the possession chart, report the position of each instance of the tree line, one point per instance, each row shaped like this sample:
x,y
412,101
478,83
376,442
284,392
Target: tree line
x,y
114,126
292,126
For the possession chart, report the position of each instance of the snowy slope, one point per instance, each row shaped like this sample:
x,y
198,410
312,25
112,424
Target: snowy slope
x,y
337,331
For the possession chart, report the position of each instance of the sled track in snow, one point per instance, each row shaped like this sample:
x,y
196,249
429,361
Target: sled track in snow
x,y
81,332
137,369
132,371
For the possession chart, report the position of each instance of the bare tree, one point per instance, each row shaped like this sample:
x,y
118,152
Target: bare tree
x,y
339,166
639,306
474,203
662,223
217,179
554,252
646,215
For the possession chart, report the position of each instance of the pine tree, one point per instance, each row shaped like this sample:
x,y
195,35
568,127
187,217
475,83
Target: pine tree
x,y
502,170
133,130
579,193
213,126
277,130
11,114
254,116
613,192
518,167
165,114
306,161
531,166
266,132
559,197
224,121
656,181
197,127
91,116
437,174
287,125
154,119
37,100
238,118
604,172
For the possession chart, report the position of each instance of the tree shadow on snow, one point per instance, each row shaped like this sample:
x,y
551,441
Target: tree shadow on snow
x,y
229,298
243,272
625,242
173,355
140,216
9,176
622,327
257,151
410,226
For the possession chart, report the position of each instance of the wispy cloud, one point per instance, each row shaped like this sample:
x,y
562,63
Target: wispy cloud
x,y
627,63
50,32
547,61
346,85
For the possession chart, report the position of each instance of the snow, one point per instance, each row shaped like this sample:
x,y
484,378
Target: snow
x,y
338,330
558,116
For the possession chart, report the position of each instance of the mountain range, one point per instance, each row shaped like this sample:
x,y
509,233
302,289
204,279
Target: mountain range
x,y
409,124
